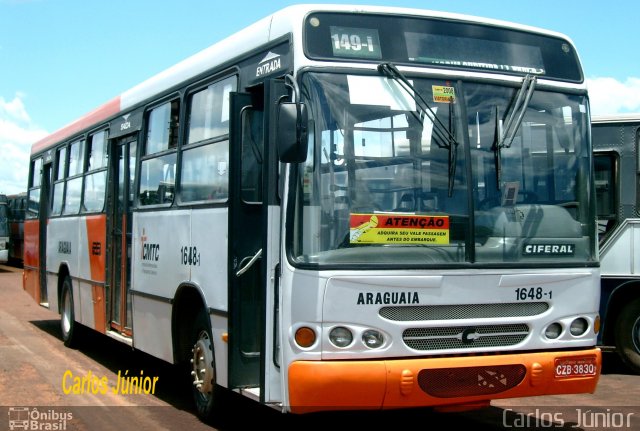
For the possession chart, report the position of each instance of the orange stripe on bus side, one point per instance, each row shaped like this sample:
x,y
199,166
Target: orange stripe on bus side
x,y
97,249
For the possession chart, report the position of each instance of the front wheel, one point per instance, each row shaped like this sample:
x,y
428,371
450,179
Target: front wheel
x,y
628,335
67,315
203,370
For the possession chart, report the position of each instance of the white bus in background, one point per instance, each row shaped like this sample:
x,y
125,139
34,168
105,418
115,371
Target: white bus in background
x,y
616,145
339,207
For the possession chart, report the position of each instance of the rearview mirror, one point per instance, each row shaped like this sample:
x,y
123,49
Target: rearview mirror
x,y
292,132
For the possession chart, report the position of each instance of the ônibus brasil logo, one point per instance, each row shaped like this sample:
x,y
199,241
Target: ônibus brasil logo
x,y
32,418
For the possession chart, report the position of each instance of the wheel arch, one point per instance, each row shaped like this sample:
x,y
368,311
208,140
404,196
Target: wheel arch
x,y
621,295
187,302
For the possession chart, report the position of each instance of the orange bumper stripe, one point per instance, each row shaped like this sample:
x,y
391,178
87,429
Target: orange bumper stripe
x,y
389,384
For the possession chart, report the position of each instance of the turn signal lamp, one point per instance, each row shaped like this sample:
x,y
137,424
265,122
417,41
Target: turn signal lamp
x,y
305,337
596,324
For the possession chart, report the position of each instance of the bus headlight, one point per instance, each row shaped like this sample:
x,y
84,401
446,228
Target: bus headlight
x,y
372,338
553,331
579,326
340,336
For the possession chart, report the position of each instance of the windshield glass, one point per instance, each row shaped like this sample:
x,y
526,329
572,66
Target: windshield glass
x,y
391,180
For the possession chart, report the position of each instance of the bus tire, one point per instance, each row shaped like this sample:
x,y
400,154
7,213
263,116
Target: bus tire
x,y
202,369
627,335
68,325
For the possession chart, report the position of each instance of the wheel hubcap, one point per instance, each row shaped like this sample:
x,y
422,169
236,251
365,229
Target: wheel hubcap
x,y
202,364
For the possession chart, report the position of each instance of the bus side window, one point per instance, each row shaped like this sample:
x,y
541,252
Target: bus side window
x,y
605,192
157,180
204,174
59,181
158,168
33,200
95,182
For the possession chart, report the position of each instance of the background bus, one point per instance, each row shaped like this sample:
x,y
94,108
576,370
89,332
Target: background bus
x,y
17,208
4,229
338,207
616,141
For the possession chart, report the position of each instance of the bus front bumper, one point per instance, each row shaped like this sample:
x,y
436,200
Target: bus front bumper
x,y
468,380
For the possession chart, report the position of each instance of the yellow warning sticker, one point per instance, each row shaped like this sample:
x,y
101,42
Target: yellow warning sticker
x,y
442,94
399,229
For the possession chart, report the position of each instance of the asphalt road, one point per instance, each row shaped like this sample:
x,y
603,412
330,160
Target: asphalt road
x,y
41,381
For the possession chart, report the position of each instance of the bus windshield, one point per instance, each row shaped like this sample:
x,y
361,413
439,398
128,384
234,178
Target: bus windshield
x,y
420,174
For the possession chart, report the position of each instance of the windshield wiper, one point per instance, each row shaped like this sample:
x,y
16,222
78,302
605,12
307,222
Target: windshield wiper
x,y
504,137
453,149
441,133
440,129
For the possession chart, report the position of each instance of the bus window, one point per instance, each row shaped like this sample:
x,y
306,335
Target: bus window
x,y
209,111
33,208
76,153
162,130
204,171
158,173
96,179
72,198
605,192
157,179
97,151
58,187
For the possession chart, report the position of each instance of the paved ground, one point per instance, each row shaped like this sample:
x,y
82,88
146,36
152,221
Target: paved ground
x,y
34,363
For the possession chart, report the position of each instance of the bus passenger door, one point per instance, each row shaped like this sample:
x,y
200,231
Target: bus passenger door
x,y
43,216
246,248
120,202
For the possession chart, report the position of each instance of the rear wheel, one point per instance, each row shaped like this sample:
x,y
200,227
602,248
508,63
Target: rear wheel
x,y
628,335
67,316
203,370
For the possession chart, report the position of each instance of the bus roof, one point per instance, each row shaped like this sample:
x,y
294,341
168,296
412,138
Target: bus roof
x,y
261,32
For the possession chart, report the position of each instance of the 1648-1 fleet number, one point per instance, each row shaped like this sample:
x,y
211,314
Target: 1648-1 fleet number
x,y
532,294
189,256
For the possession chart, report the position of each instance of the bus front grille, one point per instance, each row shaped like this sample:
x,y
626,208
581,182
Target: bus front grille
x,y
465,337
464,311
471,381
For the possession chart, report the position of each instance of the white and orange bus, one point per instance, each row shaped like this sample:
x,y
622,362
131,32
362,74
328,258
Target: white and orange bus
x,y
339,207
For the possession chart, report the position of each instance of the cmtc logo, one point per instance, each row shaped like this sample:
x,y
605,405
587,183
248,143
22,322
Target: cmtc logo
x,y
26,418
149,251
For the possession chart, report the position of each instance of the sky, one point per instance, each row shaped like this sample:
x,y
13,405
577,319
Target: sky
x,y
60,59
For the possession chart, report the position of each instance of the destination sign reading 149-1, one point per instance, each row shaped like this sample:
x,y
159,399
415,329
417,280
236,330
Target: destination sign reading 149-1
x,y
355,42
